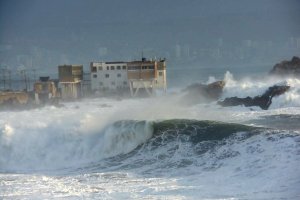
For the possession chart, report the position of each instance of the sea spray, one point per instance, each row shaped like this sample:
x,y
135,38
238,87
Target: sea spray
x,y
53,147
256,87
185,159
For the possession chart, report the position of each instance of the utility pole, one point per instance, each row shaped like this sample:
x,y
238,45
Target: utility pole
x,y
3,77
34,74
26,81
2,80
9,79
5,74
23,72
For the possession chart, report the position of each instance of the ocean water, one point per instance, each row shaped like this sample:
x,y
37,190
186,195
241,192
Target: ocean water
x,y
155,148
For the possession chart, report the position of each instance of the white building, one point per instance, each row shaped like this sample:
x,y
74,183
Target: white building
x,y
135,76
161,78
108,75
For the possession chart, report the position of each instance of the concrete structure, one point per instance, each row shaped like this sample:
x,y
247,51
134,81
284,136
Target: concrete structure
x,y
86,84
144,75
108,76
12,98
70,81
161,79
44,90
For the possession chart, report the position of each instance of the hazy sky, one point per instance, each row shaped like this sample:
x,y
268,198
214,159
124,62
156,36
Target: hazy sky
x,y
131,25
236,16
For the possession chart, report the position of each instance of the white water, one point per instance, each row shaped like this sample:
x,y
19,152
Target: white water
x,y
44,152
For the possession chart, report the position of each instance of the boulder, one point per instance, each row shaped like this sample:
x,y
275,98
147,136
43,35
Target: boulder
x,y
201,93
215,89
287,68
264,101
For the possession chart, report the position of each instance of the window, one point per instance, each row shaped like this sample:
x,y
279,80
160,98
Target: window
x,y
107,68
113,83
106,75
134,67
112,67
100,83
160,73
118,67
100,68
119,75
94,75
94,69
124,66
125,83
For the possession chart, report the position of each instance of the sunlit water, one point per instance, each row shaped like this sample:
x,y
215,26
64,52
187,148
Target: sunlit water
x,y
133,149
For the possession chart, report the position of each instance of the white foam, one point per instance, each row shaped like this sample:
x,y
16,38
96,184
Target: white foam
x,y
63,137
249,87
77,133
82,132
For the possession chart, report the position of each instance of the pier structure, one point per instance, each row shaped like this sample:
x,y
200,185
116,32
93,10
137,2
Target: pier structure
x,y
44,90
70,81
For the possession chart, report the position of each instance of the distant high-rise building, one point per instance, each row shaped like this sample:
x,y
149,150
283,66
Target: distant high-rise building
x,y
177,51
186,51
220,42
298,43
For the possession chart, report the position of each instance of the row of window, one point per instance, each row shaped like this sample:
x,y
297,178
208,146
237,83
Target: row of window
x,y
112,83
119,75
100,68
113,67
140,67
107,75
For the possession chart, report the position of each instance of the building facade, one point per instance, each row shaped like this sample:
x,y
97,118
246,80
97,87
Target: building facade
x,y
70,81
144,75
44,90
161,77
108,76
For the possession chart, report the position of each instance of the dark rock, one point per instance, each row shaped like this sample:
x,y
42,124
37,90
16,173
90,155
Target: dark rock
x,y
264,101
287,68
201,93
214,90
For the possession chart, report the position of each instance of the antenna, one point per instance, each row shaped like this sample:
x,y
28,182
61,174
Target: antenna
x,y
143,58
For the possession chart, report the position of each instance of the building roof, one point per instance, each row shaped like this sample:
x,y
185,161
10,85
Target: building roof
x,y
70,65
115,62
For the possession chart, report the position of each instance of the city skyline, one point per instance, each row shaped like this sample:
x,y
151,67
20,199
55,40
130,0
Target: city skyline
x,y
44,34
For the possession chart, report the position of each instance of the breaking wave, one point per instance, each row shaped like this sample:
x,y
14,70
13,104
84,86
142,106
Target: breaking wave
x,y
129,144
51,148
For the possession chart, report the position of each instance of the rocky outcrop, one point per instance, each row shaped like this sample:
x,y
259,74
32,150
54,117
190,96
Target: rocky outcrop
x,y
264,101
287,68
201,93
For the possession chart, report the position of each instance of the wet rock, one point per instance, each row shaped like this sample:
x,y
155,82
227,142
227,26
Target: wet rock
x,y
201,93
264,101
287,68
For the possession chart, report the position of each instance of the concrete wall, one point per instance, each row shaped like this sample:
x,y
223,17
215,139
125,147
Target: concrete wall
x,y
70,73
70,90
17,97
109,76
